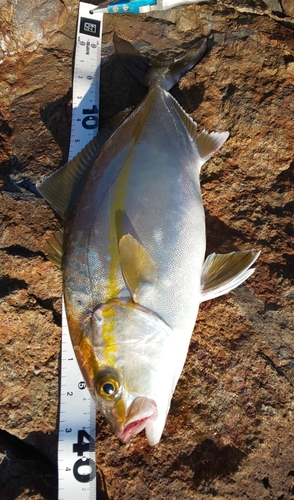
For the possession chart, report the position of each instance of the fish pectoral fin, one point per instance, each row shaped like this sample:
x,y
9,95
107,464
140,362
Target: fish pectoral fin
x,y
222,273
209,142
54,248
137,266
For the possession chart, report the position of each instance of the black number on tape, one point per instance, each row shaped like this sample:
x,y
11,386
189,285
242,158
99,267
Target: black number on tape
x,y
82,462
94,110
81,446
90,122
93,122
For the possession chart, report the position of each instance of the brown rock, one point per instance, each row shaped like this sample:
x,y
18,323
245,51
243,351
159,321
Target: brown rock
x,y
288,7
229,433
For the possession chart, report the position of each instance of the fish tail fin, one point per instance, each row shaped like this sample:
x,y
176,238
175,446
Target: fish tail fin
x,y
183,64
149,73
137,64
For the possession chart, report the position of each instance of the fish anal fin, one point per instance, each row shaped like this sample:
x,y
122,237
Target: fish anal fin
x,y
137,266
209,142
53,248
189,123
221,273
206,143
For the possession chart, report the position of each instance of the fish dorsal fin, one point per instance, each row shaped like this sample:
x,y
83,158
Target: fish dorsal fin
x,y
53,248
222,273
137,266
59,187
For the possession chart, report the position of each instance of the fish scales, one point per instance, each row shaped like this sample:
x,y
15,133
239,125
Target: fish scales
x,y
158,188
133,250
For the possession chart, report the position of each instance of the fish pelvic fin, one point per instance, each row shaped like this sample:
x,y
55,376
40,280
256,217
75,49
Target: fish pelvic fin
x,y
137,266
151,73
221,273
53,248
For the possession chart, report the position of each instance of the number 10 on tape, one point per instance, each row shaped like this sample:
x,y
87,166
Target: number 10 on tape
x,y
77,420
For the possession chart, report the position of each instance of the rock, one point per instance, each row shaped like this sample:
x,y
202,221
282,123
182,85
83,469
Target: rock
x,y
229,430
288,8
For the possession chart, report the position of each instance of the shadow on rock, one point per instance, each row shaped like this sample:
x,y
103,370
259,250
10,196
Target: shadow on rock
x,y
218,233
56,116
118,89
24,469
208,462
189,98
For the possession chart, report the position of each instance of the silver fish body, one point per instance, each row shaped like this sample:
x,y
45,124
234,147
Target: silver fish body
x,y
133,252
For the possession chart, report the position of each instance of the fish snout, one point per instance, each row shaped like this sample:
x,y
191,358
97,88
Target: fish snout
x,y
141,412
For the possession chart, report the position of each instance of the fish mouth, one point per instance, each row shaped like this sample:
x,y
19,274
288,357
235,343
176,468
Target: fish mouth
x,y
140,413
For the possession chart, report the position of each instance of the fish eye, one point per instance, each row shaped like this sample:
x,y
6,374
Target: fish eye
x,y
107,386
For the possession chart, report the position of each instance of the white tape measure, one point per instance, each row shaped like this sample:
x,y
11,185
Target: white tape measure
x,y
77,420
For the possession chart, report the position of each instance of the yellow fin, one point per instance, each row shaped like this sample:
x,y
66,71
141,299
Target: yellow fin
x,y
137,266
53,248
223,273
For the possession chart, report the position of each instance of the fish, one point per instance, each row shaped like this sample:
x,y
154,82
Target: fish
x,y
132,248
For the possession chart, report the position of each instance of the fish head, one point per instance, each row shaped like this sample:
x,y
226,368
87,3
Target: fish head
x,y
133,381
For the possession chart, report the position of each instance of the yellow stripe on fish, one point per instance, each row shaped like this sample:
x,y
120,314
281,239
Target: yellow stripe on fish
x,y
113,284
118,205
108,335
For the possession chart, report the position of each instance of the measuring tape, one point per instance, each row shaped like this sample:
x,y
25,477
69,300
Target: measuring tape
x,y
77,419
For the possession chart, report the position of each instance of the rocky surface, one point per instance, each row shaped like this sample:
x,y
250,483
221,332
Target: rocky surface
x,y
229,433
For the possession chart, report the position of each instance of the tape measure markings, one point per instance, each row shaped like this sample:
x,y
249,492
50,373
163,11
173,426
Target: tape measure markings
x,y
77,415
